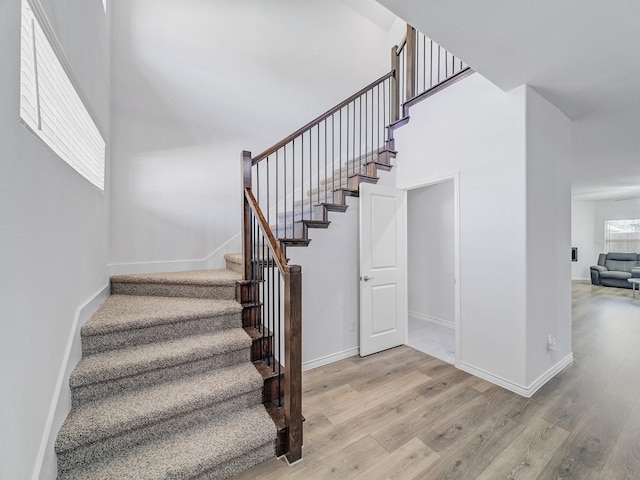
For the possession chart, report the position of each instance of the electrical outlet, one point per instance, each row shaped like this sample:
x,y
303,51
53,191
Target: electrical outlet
x,y
551,343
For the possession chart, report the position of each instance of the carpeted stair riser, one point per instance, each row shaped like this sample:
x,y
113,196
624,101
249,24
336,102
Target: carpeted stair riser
x,y
94,391
233,262
115,364
118,414
221,292
88,393
218,448
110,447
111,341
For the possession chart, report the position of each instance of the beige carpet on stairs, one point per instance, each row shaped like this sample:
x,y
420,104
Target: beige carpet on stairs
x,y
166,388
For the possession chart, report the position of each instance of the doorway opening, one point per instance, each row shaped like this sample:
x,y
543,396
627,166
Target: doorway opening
x,y
432,269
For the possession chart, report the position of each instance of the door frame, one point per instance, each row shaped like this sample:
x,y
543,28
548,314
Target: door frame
x,y
456,228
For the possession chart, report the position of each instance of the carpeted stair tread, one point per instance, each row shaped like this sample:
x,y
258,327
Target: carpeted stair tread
x,y
192,277
214,450
128,312
130,361
117,415
218,284
234,262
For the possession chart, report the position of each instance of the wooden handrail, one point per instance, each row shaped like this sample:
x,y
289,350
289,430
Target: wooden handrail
x,y
435,89
272,244
402,43
319,119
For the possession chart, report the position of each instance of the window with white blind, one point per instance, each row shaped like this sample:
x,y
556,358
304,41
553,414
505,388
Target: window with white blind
x,y
51,107
622,235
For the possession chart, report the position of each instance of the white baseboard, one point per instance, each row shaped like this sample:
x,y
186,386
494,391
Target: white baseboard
x,y
550,373
216,258
525,391
213,260
46,463
434,320
334,357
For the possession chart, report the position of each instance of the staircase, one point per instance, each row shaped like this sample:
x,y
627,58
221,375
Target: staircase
x,y
330,195
197,375
166,387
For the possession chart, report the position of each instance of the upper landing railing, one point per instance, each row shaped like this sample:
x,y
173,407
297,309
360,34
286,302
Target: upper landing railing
x,y
289,187
423,67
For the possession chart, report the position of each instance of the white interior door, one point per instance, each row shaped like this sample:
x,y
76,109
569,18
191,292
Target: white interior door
x,y
383,298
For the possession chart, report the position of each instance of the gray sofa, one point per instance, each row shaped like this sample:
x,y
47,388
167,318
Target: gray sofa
x,y
615,268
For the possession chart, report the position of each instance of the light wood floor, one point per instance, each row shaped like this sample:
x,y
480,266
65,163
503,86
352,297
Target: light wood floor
x,y
404,415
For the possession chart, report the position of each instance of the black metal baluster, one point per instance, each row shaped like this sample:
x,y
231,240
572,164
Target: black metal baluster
x,y
365,131
284,204
446,65
353,143
424,63
258,183
273,305
301,182
340,157
262,297
333,156
378,115
293,185
310,169
439,50
347,142
318,163
277,191
278,340
325,161
430,63
254,274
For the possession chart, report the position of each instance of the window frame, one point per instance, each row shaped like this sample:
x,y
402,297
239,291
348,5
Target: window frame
x,y
52,106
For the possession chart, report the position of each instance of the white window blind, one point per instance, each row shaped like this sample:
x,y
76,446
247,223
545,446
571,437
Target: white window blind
x,y
622,235
51,107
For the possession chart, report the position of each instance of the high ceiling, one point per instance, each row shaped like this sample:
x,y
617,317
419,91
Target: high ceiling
x,y
584,57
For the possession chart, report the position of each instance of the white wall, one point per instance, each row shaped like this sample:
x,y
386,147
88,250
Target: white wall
x,y
194,83
330,289
487,136
476,129
53,238
612,210
548,147
430,253
583,236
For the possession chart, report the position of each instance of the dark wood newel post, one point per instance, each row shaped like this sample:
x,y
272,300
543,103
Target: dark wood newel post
x,y
411,63
293,360
395,85
246,215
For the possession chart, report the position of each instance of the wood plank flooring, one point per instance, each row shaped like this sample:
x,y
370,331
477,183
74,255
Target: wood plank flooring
x,y
402,414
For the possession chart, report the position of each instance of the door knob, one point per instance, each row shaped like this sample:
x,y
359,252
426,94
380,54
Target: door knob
x,y
366,278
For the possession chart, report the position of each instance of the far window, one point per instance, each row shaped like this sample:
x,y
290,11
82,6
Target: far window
x,y
622,235
51,107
